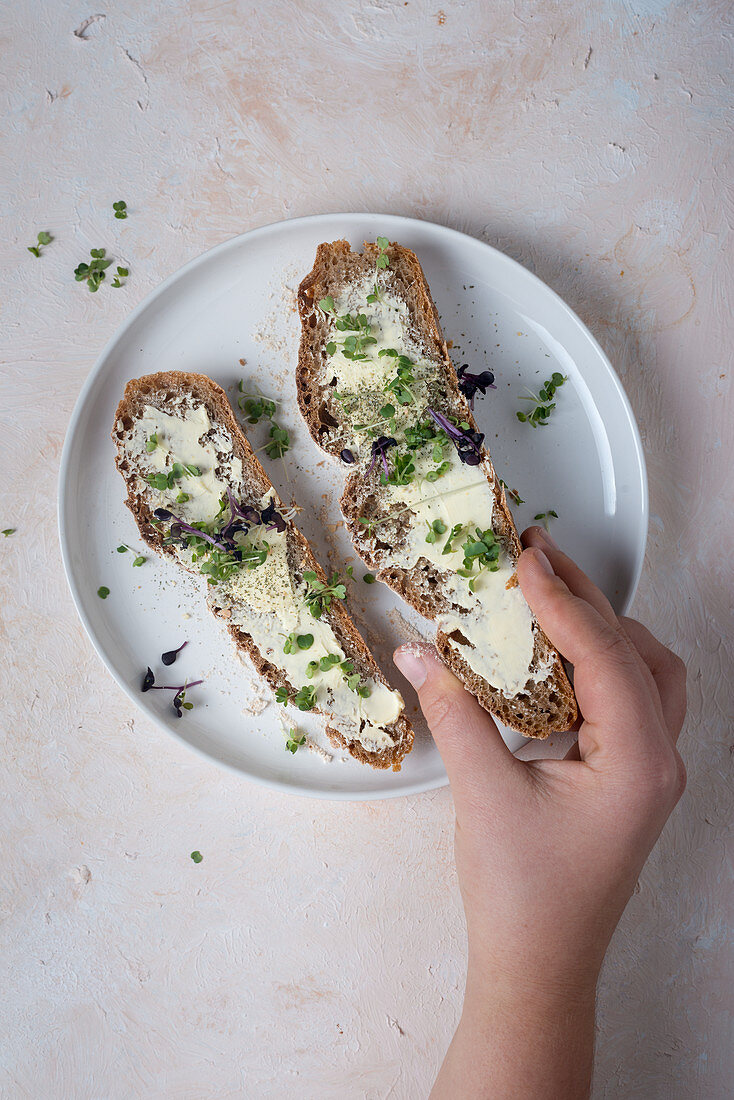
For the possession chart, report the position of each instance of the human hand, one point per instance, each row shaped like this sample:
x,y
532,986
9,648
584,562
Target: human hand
x,y
548,852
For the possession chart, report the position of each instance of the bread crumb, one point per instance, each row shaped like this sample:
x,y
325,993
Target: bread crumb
x,y
513,582
327,757
258,700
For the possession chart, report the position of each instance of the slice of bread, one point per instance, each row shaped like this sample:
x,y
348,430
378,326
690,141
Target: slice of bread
x,y
360,313
178,430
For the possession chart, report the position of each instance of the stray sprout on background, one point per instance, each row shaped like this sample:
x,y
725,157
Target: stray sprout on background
x,y
123,549
42,239
543,405
546,517
120,209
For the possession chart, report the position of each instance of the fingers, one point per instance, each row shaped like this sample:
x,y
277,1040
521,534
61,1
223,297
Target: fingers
x,y
610,678
668,672
570,573
470,744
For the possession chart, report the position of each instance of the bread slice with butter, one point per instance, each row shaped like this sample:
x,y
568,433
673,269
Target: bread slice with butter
x,y
422,501
201,498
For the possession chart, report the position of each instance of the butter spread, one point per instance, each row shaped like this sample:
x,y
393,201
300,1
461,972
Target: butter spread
x,y
491,627
267,602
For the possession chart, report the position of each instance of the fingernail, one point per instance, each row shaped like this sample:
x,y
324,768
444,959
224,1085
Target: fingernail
x,y
412,666
542,561
546,537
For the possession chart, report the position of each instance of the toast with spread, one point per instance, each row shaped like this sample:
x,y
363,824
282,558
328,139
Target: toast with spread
x,y
201,498
422,502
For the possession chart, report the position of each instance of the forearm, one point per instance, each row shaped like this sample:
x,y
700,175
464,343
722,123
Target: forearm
x,y
517,1043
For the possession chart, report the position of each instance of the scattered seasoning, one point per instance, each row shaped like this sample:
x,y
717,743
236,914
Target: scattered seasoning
x,y
170,655
42,239
103,592
120,209
197,857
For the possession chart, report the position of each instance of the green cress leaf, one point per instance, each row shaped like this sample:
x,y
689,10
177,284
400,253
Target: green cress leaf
x,y
196,856
103,592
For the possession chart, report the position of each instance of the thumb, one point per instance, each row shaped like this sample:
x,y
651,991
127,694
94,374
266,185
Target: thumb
x,y
470,744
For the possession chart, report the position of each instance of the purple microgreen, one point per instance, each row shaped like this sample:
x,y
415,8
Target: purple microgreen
x,y
468,444
148,680
171,654
470,383
272,519
379,451
347,456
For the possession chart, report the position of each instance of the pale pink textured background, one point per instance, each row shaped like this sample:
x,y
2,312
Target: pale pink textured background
x,y
318,950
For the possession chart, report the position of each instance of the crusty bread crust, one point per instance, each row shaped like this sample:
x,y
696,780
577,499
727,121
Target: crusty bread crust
x,y
544,707
159,390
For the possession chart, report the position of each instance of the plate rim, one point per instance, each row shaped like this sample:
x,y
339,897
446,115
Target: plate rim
x,y
418,786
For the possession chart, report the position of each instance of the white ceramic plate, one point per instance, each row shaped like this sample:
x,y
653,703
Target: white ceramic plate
x,y
235,303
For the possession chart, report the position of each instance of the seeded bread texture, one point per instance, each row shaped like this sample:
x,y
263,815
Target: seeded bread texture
x,y
161,391
543,707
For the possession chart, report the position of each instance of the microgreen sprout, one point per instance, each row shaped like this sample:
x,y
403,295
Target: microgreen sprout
x,y
93,274
399,386
482,550
120,209
511,493
383,260
294,742
436,528
170,655
468,443
320,595
347,457
304,698
369,578
140,559
103,592
454,533
257,407
151,443
119,279
546,517
294,642
197,857
42,240
380,447
9,531
470,383
543,405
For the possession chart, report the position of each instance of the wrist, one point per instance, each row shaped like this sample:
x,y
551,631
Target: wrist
x,y
528,985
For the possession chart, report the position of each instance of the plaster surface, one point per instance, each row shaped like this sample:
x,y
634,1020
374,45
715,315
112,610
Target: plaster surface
x,y
318,949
